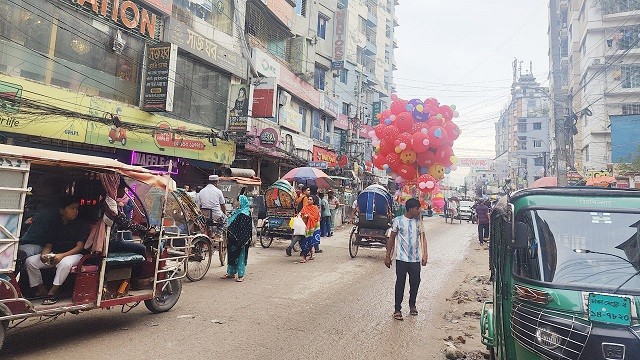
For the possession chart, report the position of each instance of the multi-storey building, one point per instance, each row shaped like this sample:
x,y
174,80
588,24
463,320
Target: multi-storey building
x,y
522,133
604,50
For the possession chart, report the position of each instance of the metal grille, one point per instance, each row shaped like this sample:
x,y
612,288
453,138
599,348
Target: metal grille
x,y
11,179
573,332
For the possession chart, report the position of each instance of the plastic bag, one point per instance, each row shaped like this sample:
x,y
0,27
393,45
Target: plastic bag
x,y
299,227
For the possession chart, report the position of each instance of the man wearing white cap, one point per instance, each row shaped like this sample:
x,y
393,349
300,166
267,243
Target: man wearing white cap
x,y
211,198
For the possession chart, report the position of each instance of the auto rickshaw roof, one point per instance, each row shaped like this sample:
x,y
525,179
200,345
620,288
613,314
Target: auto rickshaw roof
x,y
57,158
243,180
585,197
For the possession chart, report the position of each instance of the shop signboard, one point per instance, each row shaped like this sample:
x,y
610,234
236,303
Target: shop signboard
x,y
377,107
329,106
328,156
163,5
340,35
342,122
206,49
265,65
154,161
269,137
318,164
159,77
239,95
475,163
290,118
264,97
299,88
138,130
125,13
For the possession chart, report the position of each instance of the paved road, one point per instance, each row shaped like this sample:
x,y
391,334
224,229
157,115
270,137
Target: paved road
x,y
334,307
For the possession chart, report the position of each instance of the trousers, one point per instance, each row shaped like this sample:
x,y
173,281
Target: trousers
x,y
483,232
403,269
34,264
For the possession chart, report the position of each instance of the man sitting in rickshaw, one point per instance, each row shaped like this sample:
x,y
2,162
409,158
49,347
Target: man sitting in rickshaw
x,y
62,250
452,207
211,200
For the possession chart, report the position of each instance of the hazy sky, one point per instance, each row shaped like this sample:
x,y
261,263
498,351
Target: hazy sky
x,y
461,53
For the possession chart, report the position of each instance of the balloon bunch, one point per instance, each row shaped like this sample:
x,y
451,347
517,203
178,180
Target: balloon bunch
x,y
414,141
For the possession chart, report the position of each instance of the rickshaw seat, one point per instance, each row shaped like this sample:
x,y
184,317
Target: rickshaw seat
x,y
378,222
123,259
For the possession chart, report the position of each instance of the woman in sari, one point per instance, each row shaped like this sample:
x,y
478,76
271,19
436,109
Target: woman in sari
x,y
311,216
238,240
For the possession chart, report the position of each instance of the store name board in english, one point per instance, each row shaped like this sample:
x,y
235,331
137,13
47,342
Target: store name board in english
x,y
125,13
269,137
339,44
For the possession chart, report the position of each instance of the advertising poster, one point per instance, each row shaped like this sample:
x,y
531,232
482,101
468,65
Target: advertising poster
x,y
264,97
159,77
239,95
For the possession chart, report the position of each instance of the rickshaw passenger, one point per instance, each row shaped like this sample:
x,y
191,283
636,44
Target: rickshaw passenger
x,y
42,225
66,243
121,222
212,199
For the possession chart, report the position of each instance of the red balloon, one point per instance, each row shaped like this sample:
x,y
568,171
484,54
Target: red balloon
x,y
437,136
453,131
404,121
386,147
404,138
420,141
431,102
379,129
443,156
419,126
385,115
446,112
426,183
378,161
391,133
407,172
435,120
393,160
426,158
398,106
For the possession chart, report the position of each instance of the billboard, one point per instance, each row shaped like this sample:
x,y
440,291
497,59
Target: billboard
x,y
625,137
159,77
264,97
340,35
478,164
239,95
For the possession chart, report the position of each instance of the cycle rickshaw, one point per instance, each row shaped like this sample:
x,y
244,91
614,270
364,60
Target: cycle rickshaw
x,y
374,219
281,207
452,212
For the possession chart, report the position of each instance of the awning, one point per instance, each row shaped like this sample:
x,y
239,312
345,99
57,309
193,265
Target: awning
x,y
243,180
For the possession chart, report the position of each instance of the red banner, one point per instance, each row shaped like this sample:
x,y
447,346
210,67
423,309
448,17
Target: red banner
x,y
320,154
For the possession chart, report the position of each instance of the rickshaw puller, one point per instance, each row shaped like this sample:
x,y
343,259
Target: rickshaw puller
x,y
212,199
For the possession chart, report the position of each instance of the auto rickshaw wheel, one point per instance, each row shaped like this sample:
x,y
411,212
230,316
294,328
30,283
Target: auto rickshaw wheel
x,y
353,247
200,259
164,301
265,238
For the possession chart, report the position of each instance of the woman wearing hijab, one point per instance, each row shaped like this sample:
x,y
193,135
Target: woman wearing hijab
x,y
311,216
238,239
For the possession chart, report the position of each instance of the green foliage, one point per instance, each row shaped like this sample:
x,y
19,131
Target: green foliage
x,y
633,164
617,6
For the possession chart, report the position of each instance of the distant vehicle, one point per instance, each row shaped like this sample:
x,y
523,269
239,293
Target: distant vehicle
x,y
465,210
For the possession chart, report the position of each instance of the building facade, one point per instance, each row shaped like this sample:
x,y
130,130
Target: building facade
x,y
522,133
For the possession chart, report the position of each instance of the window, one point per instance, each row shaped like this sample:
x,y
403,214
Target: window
x,y
343,75
522,127
537,126
201,93
303,112
630,109
538,161
301,7
359,56
585,150
387,57
345,108
319,78
328,127
217,13
523,162
322,26
630,76
612,7
362,24
522,143
78,59
537,143
388,32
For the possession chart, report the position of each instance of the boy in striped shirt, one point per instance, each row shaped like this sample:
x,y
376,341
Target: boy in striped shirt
x,y
409,241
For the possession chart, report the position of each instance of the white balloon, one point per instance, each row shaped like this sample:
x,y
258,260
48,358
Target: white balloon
x,y
430,184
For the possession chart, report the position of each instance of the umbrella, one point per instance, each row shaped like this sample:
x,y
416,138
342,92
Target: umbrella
x,y
601,181
546,181
309,176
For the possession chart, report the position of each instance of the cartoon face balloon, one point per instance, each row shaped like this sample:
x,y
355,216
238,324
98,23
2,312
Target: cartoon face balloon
x,y
408,156
437,171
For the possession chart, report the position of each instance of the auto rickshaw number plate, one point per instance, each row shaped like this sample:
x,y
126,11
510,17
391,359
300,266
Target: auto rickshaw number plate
x,y
609,309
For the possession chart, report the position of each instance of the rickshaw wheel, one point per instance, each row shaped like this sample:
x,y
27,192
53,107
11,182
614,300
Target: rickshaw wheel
x,y
3,330
265,238
165,301
222,251
353,247
199,259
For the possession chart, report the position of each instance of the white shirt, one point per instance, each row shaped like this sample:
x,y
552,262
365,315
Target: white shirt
x,y
408,232
210,198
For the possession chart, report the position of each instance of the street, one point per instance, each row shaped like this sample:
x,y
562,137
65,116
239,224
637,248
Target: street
x,y
333,307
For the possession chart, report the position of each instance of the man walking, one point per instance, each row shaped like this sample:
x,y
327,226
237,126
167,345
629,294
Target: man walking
x,y
409,241
325,216
482,211
334,204
211,199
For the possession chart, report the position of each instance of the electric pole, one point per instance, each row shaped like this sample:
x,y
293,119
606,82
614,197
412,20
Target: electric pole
x,y
558,110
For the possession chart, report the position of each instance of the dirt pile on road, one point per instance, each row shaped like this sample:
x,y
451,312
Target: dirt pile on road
x,y
459,322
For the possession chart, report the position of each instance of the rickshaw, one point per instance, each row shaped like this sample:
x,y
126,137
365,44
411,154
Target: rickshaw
x,y
281,207
102,279
565,266
373,221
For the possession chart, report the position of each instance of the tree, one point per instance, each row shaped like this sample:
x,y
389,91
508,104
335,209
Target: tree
x,y
633,164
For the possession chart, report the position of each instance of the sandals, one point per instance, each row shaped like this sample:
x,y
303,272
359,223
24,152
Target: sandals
x,y
302,261
397,316
50,301
413,311
227,276
240,279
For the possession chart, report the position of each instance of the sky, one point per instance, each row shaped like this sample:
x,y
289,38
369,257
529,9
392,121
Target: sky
x,y
461,52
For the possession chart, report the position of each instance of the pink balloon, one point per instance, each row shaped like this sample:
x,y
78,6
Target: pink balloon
x,y
420,142
378,161
379,129
446,112
391,133
453,131
404,138
386,147
437,136
398,106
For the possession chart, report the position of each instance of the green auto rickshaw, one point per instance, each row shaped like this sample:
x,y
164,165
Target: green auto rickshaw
x,y
565,266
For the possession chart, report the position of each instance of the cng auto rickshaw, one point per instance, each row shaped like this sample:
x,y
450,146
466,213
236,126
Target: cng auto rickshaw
x,y
565,266
101,278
